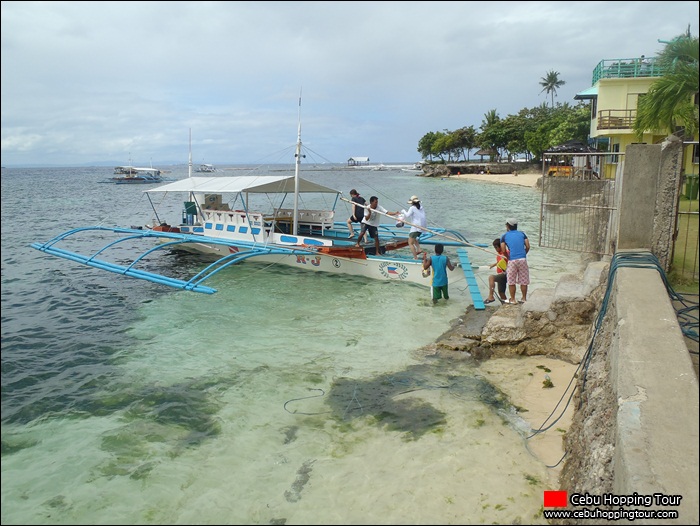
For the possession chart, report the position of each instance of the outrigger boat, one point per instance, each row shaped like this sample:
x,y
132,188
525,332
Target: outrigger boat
x,y
133,175
206,168
222,217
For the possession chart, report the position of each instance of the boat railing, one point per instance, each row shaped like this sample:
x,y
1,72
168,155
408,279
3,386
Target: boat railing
x,y
236,217
324,218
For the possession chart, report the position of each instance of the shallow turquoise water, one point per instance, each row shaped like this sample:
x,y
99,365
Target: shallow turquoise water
x,y
285,397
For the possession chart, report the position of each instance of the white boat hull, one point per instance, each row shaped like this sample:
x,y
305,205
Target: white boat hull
x,y
373,267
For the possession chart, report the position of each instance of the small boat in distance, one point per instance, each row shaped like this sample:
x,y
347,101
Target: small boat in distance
x,y
206,168
124,170
134,175
416,168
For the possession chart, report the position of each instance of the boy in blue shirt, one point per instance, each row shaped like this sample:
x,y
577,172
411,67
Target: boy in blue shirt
x,y
440,264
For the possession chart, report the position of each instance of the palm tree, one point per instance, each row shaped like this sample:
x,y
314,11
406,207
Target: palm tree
x,y
672,99
551,83
490,133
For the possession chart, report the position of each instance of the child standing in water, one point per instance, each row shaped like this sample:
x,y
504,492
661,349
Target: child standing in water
x,y
439,263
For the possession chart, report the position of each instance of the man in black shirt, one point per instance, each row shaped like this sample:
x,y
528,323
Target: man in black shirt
x,y
358,212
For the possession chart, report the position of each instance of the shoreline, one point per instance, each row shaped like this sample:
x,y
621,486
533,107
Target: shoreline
x,y
521,179
520,378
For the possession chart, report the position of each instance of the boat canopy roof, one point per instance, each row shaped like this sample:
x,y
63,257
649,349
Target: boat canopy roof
x,y
267,184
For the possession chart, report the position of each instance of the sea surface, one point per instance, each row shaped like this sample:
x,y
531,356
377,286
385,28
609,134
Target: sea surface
x,y
285,398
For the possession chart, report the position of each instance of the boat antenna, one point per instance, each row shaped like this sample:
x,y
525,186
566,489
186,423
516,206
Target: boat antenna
x,y
189,164
298,157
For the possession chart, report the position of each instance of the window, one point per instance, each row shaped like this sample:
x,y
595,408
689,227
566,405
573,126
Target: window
x,y
613,158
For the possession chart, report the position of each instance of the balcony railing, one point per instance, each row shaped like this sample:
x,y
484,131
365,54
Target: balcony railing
x,y
625,68
616,119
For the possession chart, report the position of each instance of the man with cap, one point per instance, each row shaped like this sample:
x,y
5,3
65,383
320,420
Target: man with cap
x,y
415,216
518,272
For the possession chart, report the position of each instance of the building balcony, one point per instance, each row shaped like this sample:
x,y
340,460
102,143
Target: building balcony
x,y
616,119
627,68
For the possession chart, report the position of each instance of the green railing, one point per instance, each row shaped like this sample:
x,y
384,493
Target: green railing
x,y
624,68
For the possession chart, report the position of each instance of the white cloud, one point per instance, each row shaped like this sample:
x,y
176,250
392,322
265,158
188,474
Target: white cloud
x,y
107,81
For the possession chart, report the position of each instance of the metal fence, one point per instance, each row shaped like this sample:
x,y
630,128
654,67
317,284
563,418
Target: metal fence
x,y
578,210
684,255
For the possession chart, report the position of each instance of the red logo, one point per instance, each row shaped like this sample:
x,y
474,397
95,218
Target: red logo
x,y
555,499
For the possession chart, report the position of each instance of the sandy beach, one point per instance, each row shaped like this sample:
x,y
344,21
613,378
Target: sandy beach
x,y
521,378
522,179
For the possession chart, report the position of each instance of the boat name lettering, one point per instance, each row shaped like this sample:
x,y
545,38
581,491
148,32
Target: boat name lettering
x,y
314,260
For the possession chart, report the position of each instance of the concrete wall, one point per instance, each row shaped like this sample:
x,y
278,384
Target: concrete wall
x,y
636,424
637,200
657,436
648,197
637,427
668,190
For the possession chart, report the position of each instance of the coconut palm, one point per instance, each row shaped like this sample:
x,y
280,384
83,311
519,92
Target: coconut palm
x,y
490,137
672,99
550,83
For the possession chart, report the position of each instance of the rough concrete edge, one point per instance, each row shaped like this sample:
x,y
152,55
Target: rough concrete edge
x,y
656,448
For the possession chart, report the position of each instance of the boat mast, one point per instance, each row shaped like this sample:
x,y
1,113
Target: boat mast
x,y
296,174
189,164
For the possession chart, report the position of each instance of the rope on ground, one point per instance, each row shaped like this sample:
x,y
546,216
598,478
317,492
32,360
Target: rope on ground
x,y
621,260
295,412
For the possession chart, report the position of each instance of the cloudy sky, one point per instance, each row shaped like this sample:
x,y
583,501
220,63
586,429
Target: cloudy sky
x,y
111,82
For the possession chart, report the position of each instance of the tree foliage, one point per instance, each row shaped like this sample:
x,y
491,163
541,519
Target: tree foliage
x,y
492,135
672,100
530,133
425,145
551,83
466,140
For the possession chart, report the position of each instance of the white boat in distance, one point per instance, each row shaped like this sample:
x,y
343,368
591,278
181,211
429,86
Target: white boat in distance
x,y
416,168
206,168
223,217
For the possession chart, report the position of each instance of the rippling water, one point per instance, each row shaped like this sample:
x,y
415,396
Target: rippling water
x,y
286,397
